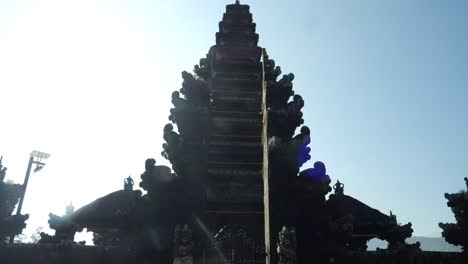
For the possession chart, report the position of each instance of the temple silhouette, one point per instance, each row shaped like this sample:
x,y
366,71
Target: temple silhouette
x,y
237,191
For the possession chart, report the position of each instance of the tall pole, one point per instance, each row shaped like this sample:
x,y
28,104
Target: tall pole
x,y
25,184
265,171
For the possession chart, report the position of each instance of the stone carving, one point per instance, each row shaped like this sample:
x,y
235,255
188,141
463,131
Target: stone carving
x,y
285,120
457,233
452,233
320,181
12,225
286,81
195,90
154,175
196,101
69,210
300,143
290,155
317,172
393,218
174,142
162,186
287,246
128,184
178,102
338,188
396,238
64,230
180,105
271,70
279,92
183,245
202,70
397,235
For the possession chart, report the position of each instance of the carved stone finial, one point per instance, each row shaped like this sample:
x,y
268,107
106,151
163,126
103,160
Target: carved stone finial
x,y
237,2
393,217
128,183
287,246
339,188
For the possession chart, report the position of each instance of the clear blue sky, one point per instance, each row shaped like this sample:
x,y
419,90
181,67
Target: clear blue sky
x,y
384,82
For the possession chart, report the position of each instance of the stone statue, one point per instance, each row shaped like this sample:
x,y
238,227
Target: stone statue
x,y
128,184
339,188
183,245
287,246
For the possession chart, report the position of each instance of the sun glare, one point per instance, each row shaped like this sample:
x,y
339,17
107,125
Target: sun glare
x,y
69,72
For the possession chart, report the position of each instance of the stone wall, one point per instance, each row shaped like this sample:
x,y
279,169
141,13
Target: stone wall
x,y
58,254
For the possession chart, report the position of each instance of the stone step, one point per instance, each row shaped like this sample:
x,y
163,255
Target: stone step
x,y
236,53
232,102
228,142
239,155
233,18
226,27
233,66
235,85
241,39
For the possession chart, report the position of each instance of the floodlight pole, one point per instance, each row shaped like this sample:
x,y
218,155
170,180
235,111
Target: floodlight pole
x,y
25,184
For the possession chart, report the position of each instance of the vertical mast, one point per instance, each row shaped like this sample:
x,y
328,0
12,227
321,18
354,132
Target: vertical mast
x,y
265,170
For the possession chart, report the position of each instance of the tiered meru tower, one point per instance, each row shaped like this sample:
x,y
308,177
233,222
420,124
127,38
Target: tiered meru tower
x,y
226,135
237,181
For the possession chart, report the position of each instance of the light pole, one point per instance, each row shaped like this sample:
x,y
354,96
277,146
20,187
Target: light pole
x,y
39,156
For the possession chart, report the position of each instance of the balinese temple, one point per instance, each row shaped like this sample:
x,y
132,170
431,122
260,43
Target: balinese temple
x,y
237,192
